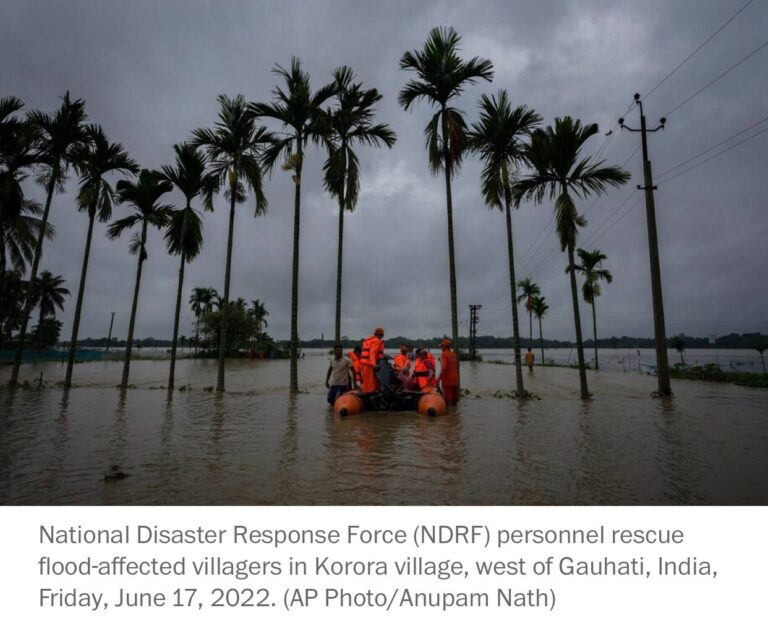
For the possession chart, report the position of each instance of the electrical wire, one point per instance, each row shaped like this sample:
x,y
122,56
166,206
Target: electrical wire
x,y
696,50
718,78
709,149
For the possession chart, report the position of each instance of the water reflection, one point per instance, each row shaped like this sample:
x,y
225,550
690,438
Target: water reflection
x,y
258,445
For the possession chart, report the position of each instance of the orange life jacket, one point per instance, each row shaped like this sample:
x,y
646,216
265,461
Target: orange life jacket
x,y
373,350
401,362
421,372
355,365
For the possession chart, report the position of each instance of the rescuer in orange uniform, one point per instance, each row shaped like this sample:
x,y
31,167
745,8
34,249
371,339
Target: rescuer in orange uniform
x,y
402,362
354,356
373,350
449,376
423,371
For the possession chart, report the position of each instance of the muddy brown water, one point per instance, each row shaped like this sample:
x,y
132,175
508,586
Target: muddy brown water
x,y
258,445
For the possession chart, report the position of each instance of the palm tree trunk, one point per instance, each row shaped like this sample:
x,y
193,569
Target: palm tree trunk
x,y
451,255
337,333
197,332
520,393
131,324
294,382
594,331
29,303
225,303
80,293
577,323
541,342
172,371
762,358
530,323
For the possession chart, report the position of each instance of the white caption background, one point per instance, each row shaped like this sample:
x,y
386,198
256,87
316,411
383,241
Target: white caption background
x,y
731,540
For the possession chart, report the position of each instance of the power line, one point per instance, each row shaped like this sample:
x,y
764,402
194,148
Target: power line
x,y
696,50
718,78
728,149
703,152
629,158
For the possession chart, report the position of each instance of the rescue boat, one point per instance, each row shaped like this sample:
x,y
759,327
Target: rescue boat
x,y
356,402
390,397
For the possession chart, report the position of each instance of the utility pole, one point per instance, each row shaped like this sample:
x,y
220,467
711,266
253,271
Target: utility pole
x,y
662,364
473,319
109,336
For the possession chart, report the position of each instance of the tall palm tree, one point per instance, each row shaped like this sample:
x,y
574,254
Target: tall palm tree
x,y
184,236
350,123
94,161
528,290
591,267
540,308
20,225
142,195
201,301
443,76
560,173
497,139
299,111
57,136
48,292
234,146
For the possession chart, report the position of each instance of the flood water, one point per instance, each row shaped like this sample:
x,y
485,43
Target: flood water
x,y
258,445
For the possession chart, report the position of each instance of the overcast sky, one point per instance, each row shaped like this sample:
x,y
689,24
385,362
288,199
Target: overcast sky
x,y
150,73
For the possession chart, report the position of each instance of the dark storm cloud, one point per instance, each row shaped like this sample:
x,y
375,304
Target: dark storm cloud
x,y
151,71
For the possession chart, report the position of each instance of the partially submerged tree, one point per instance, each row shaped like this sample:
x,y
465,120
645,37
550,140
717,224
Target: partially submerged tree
x,y
441,77
184,235
143,195
591,268
350,123
498,139
299,111
57,136
234,148
94,161
540,308
561,174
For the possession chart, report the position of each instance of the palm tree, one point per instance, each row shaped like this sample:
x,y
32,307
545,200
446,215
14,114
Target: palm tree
x,y
443,76
299,111
259,313
142,195
94,161
528,290
591,267
540,308
234,146
20,226
57,136
678,343
48,292
350,122
560,174
201,301
496,138
184,235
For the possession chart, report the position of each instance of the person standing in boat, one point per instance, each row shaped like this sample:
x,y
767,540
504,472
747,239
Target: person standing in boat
x,y
340,376
373,350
